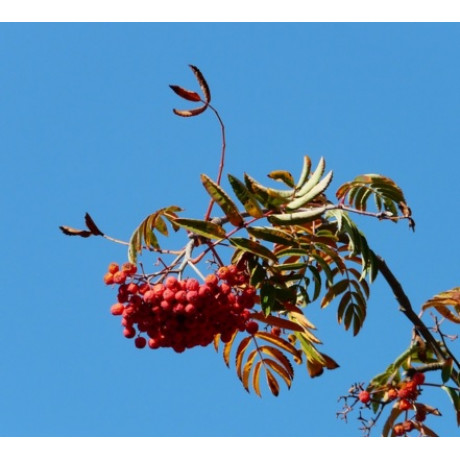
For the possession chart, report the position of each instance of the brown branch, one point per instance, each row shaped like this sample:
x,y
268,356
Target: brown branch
x,y
406,308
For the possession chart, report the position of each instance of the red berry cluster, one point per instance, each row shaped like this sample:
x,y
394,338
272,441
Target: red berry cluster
x,y
182,313
407,394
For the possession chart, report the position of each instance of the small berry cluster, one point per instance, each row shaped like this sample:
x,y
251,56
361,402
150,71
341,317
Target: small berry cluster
x,y
405,395
182,313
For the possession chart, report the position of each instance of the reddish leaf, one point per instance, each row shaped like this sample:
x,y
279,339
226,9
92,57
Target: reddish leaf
x,y
255,378
75,231
92,226
190,113
281,371
239,355
267,349
272,383
202,82
185,93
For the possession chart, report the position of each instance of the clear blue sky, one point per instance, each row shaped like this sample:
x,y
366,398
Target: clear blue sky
x,y
86,126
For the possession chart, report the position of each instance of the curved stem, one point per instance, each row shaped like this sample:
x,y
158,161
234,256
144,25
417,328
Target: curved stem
x,y
222,159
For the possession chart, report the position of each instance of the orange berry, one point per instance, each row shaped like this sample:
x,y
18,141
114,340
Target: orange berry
x,y
117,309
392,394
120,277
113,268
108,278
129,268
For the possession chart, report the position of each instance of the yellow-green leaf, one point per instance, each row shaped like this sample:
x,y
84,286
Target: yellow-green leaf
x,y
282,176
245,196
297,218
273,235
202,227
254,248
223,200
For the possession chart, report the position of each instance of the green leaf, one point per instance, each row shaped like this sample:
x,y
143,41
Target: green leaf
x,y
314,178
254,248
258,274
202,227
268,197
135,246
223,200
305,171
272,235
267,298
297,218
319,188
334,291
447,370
245,196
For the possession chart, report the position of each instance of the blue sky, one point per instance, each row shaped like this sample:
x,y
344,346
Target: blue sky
x,y
86,126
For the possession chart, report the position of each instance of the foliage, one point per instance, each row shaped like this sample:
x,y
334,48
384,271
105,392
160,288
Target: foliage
x,y
292,245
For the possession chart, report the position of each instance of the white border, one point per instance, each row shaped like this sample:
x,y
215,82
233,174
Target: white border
x,y
231,11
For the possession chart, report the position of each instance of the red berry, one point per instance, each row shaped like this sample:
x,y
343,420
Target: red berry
x,y
211,280
398,429
154,343
418,378
276,331
171,282
129,332
168,295
392,394
404,404
252,327
190,309
108,278
408,425
149,297
140,342
132,288
364,396
192,284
